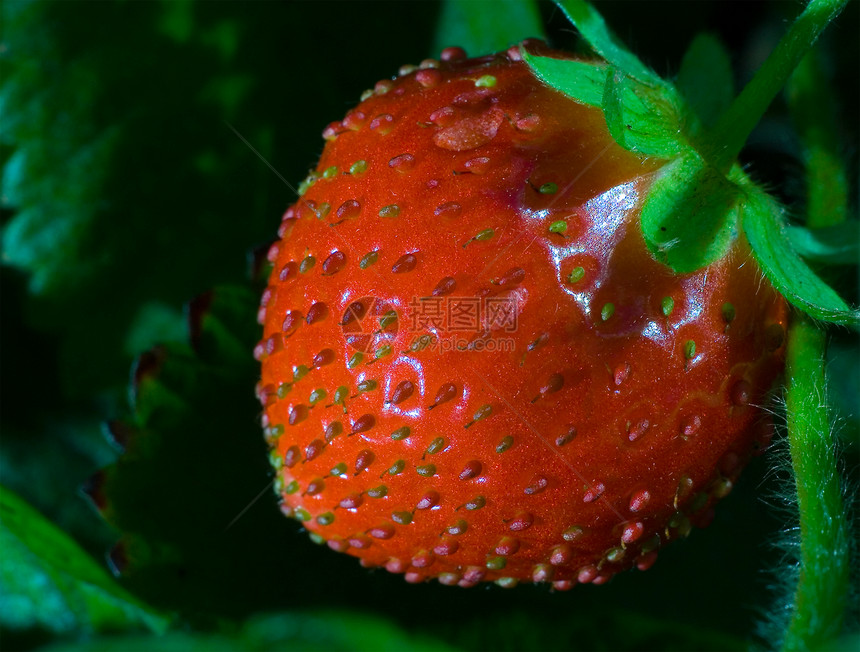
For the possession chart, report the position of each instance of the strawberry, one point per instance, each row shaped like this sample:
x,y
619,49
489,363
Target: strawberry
x,y
472,367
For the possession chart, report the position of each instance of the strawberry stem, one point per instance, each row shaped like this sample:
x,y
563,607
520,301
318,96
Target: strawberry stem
x,y
822,591
736,124
821,594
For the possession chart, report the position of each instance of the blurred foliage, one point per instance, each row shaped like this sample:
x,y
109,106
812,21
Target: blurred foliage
x,y
125,195
48,583
464,23
319,631
705,78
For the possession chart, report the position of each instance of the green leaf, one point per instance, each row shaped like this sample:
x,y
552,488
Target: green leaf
x,y
216,543
308,631
689,218
706,79
594,30
834,245
45,237
48,582
641,119
480,29
763,224
72,451
91,205
155,323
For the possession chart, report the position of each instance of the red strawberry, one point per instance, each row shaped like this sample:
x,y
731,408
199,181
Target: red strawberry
x,y
473,369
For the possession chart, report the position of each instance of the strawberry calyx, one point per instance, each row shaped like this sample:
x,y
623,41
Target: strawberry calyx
x,y
701,200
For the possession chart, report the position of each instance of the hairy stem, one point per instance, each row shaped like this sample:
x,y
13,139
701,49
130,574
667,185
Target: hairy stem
x,y
821,595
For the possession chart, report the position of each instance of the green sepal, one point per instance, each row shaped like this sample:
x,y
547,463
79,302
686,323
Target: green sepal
x,y
640,117
594,30
643,119
582,81
644,113
763,224
831,245
705,79
689,218
47,580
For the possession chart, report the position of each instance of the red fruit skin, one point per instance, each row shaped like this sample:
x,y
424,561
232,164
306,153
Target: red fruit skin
x,y
606,435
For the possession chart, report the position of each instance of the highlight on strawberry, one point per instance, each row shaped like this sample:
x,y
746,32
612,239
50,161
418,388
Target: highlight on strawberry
x,y
524,320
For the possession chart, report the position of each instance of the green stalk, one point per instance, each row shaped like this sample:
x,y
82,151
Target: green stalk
x,y
736,124
821,595
822,589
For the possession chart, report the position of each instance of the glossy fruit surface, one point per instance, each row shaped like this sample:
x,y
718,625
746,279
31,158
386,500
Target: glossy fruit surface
x,y
472,368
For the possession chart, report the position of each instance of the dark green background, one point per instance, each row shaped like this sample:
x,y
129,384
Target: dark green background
x,y
126,194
